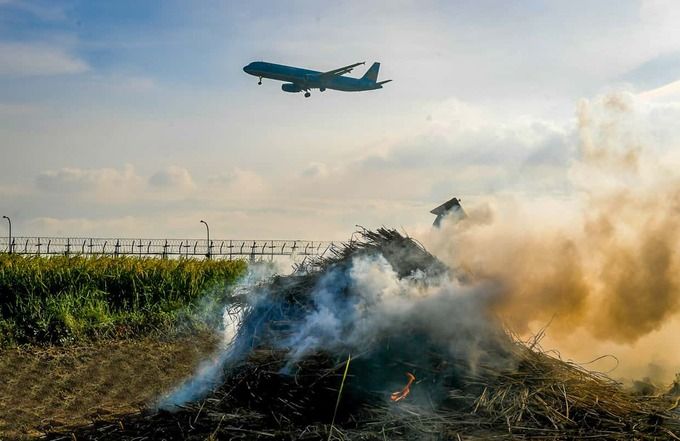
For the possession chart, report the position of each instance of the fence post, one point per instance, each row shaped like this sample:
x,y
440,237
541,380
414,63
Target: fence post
x,y
164,247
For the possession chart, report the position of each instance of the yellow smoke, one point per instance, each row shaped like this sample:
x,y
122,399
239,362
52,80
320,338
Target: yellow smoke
x,y
601,265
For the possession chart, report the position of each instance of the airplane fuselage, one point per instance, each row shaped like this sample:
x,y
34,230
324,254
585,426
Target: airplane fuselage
x,y
307,79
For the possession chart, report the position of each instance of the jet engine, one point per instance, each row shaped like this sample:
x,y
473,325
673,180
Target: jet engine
x,y
291,87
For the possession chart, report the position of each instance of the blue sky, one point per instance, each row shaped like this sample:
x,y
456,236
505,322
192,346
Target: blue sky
x,y
134,118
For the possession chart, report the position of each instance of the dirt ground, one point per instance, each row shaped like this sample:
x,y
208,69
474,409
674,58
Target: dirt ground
x,y
54,388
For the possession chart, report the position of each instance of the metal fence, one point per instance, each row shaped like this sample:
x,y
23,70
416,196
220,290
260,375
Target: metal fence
x,y
227,249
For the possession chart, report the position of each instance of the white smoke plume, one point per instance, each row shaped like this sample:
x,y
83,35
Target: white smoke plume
x,y
359,307
211,371
374,303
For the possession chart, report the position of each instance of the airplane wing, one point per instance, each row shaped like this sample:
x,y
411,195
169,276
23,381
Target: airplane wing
x,y
341,70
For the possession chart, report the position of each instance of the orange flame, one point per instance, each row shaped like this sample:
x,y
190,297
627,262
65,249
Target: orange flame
x,y
398,396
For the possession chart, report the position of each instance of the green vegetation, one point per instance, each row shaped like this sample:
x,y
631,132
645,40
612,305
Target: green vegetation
x,y
66,299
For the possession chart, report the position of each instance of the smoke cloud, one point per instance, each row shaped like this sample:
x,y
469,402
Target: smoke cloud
x,y
358,307
366,307
601,265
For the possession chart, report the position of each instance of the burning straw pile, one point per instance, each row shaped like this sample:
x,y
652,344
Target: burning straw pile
x,y
382,341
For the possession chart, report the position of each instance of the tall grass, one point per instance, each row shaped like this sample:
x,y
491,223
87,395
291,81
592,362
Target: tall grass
x,y
62,299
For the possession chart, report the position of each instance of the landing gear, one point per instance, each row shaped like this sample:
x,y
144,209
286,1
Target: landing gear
x,y
259,83
307,94
321,89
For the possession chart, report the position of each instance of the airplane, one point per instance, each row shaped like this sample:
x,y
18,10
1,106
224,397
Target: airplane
x,y
298,79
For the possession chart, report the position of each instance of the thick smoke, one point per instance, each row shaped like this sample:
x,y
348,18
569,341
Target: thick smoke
x,y
358,308
600,264
361,307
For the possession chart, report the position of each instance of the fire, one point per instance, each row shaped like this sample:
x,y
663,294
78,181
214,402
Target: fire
x,y
398,396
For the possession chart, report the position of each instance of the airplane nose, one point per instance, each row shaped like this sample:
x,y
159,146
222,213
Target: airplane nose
x,y
246,69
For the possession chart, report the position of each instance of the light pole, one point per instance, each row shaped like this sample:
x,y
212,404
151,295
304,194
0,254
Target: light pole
x,y
9,243
207,229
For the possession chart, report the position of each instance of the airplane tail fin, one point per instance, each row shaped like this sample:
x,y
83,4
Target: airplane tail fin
x,y
372,72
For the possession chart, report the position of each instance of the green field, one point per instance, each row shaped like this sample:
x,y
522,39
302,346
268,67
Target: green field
x,y
61,300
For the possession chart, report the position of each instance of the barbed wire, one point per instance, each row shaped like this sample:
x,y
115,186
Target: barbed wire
x,y
163,247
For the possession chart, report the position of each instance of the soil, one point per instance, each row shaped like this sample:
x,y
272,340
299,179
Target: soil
x,y
54,388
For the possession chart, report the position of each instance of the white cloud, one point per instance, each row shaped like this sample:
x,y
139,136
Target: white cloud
x,y
315,170
71,179
495,114
466,149
667,92
11,191
172,178
240,183
35,59
95,187
92,227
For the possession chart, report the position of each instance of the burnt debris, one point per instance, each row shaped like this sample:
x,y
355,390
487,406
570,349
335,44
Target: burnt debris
x,y
471,377
450,208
